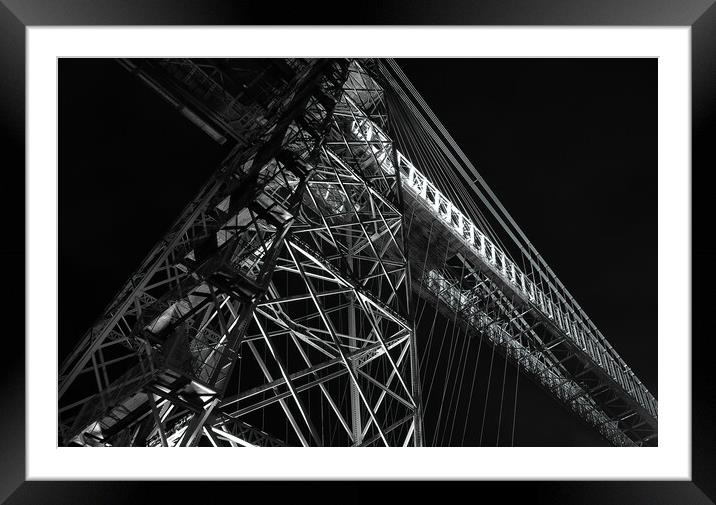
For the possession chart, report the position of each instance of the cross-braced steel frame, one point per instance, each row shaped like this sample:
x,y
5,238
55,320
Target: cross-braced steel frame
x,y
276,311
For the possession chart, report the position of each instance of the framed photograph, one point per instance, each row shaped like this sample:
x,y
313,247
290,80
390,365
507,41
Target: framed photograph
x,y
408,252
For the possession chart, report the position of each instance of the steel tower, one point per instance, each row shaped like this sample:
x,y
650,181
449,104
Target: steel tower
x,y
279,308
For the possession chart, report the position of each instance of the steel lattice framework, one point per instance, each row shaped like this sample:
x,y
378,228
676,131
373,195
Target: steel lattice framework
x,y
282,296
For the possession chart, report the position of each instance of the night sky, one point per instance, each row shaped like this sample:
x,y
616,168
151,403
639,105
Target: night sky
x,y
569,146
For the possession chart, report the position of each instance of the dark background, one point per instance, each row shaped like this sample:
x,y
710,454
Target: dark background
x,y
568,145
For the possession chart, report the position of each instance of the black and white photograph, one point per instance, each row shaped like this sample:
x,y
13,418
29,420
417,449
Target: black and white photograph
x,y
357,252
433,252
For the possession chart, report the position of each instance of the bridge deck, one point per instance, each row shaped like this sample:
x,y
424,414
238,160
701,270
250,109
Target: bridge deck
x,y
583,373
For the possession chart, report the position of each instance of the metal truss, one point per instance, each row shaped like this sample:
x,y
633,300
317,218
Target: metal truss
x,y
274,285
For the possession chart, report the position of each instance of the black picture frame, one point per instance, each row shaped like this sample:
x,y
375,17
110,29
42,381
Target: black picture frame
x,y
16,15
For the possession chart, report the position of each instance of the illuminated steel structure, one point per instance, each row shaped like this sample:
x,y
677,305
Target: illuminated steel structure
x,y
279,308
